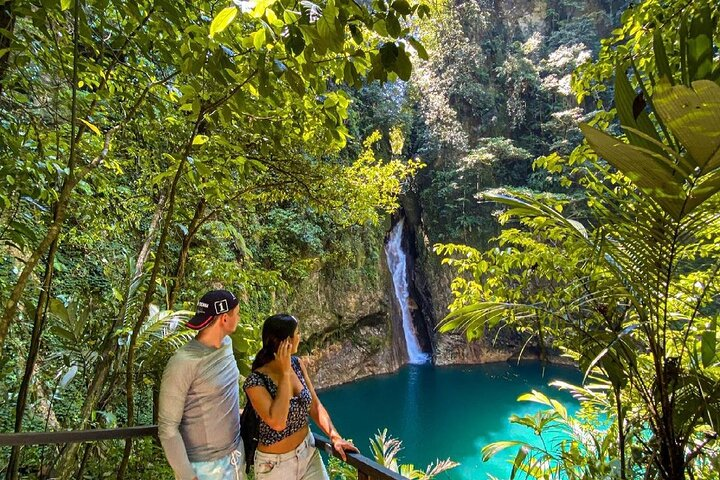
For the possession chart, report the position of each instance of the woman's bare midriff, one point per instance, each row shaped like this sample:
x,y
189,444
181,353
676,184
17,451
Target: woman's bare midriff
x,y
286,444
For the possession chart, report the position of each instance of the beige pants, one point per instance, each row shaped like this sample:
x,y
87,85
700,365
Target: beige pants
x,y
303,463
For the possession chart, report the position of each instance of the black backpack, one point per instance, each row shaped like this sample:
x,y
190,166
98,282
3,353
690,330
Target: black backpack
x,y
250,430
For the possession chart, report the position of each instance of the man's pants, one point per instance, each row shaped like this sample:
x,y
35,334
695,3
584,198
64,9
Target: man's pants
x,y
229,467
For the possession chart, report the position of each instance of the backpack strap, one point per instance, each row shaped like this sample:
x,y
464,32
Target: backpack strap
x,y
251,445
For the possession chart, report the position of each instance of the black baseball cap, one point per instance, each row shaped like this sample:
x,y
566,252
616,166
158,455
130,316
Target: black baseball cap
x,y
212,303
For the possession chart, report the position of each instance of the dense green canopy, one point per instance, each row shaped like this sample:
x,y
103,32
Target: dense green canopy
x,y
143,146
625,280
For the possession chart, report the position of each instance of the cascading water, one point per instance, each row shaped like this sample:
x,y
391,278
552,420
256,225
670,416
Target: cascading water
x,y
397,263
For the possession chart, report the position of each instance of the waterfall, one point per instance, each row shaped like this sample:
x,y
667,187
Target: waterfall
x,y
397,263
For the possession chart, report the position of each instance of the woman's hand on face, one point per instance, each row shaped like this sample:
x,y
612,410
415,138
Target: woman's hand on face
x,y
283,355
341,446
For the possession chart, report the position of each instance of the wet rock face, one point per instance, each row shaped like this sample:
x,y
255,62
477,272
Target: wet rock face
x,y
323,303
454,348
366,350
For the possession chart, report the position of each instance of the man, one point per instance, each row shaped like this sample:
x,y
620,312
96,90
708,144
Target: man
x,y
199,415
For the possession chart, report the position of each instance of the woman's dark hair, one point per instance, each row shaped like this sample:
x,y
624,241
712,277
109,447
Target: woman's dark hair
x,y
276,328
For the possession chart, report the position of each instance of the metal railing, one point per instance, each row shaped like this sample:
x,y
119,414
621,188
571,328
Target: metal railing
x,y
367,468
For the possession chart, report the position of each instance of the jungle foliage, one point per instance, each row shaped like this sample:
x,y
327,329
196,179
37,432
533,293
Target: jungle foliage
x,y
153,148
386,452
150,150
495,94
622,275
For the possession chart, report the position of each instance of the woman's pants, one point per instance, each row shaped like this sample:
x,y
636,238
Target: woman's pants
x,y
303,463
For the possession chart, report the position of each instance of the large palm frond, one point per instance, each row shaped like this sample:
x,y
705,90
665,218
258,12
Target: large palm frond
x,y
162,333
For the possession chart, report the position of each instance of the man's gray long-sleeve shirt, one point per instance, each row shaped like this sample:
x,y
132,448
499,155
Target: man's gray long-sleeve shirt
x,y
199,414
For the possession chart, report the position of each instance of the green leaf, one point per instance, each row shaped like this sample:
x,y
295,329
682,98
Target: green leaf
x,y
92,127
21,233
295,81
683,49
494,448
200,139
63,333
260,8
625,100
423,10
704,189
475,317
350,74
709,343
264,87
535,396
652,175
559,408
356,33
259,39
289,16
403,67
272,18
693,117
402,7
419,48
325,29
222,20
58,309
389,54
519,459
65,4
529,421
661,59
393,25
295,41
700,46
381,28
330,10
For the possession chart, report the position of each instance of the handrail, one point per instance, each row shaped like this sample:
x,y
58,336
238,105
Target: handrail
x,y
75,436
367,468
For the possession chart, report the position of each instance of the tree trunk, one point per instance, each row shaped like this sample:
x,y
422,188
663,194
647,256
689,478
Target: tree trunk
x,y
38,326
108,351
541,344
156,398
50,236
69,184
149,294
7,22
671,459
672,455
195,224
73,177
83,462
621,431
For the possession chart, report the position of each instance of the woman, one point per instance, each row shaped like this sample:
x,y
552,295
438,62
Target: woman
x,y
283,396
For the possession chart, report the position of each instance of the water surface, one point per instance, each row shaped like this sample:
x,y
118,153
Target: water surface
x,y
441,412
